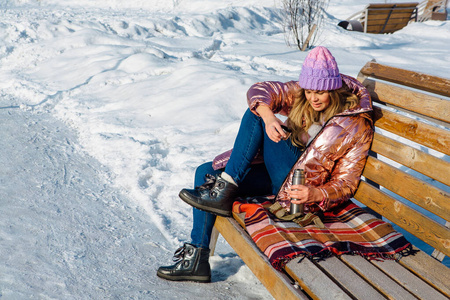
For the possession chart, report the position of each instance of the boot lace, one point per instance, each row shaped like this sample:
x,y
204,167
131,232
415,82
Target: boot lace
x,y
179,254
209,183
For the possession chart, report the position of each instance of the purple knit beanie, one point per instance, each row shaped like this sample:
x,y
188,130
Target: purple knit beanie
x,y
320,71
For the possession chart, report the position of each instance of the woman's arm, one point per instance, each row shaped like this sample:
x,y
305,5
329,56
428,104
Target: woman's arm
x,y
269,98
272,123
273,94
344,178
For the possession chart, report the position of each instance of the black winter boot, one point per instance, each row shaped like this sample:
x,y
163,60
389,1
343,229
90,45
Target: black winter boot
x,y
216,196
191,264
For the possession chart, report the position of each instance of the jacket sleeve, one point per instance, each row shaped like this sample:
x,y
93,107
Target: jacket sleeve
x,y
274,94
346,174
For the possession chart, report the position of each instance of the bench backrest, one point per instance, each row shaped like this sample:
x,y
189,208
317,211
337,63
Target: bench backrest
x,y
388,18
407,174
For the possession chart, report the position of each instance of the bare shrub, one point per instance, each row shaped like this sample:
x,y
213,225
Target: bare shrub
x,y
302,18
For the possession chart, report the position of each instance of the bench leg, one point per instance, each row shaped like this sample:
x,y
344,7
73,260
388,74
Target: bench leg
x,y
213,241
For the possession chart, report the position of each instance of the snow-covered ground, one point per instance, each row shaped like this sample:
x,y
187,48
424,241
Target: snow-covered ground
x,y
107,108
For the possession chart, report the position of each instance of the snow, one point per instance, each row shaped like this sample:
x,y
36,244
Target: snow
x,y
108,107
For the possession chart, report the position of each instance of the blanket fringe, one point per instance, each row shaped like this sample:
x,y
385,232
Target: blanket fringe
x,y
281,262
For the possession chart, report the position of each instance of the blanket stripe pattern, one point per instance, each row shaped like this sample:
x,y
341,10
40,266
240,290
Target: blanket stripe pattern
x,y
348,230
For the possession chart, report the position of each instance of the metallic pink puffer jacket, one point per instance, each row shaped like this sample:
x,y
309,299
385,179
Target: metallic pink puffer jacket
x,y
335,159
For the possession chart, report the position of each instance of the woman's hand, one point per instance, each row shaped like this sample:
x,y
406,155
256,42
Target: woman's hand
x,y
305,194
273,124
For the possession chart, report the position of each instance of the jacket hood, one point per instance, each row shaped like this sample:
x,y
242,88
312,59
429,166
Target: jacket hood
x,y
365,101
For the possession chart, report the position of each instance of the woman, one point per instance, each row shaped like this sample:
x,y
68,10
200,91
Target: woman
x,y
329,117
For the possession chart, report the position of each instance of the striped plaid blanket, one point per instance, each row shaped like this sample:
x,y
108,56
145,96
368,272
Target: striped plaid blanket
x,y
348,230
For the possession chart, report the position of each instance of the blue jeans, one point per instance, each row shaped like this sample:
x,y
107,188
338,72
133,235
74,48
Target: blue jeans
x,y
253,180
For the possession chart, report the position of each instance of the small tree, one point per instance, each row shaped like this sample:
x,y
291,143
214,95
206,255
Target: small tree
x,y
301,20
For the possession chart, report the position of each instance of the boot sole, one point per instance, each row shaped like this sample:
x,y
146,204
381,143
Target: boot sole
x,y
216,211
202,279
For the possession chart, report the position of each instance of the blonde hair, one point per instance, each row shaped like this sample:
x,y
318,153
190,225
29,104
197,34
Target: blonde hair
x,y
302,115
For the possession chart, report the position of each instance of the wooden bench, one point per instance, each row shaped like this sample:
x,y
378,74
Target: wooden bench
x,y
406,180
386,18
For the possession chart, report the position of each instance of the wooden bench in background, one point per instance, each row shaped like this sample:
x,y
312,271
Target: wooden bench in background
x,y
407,185
385,17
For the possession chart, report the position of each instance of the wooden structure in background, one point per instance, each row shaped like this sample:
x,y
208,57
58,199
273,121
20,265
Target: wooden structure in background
x,y
411,190
386,17
432,10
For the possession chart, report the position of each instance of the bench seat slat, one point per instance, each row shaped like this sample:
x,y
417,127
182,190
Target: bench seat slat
x,y
276,282
378,279
409,187
414,130
407,279
436,235
348,279
300,270
412,158
319,286
430,270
